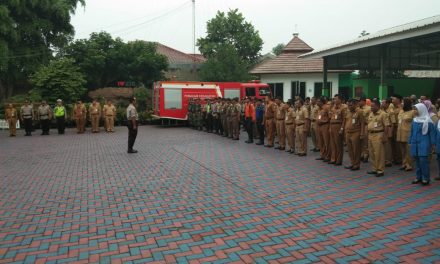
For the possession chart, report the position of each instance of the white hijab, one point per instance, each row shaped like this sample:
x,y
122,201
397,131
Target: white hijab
x,y
423,117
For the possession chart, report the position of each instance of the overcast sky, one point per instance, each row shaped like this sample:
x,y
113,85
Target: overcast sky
x,y
320,23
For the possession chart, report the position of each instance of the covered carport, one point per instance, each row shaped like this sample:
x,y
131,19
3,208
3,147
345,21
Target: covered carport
x,y
412,46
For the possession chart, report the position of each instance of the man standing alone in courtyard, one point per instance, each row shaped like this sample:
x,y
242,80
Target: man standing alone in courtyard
x,y
132,125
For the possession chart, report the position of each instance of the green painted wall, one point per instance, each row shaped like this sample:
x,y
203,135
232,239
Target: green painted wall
x,y
404,87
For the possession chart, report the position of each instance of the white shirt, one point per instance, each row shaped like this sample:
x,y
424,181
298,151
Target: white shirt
x,y
131,112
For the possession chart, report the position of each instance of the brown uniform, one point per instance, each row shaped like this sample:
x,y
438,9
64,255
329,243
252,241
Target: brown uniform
x,y
301,128
391,153
269,122
229,119
95,114
404,121
11,117
364,142
377,126
336,134
109,112
235,120
290,128
280,124
79,113
314,110
323,122
354,130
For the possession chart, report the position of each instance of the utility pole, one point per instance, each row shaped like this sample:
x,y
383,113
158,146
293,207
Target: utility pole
x,y
194,36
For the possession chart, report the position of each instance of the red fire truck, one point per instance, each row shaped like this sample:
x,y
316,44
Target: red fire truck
x,y
170,99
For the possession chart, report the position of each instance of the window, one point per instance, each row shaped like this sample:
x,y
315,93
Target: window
x,y
173,98
232,93
299,89
318,89
250,91
263,91
277,89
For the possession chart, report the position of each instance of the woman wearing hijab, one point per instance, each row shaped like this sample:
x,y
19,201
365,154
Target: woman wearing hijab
x,y
422,141
431,111
437,143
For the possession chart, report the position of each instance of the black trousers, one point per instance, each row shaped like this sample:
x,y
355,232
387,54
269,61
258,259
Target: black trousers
x,y
209,120
260,129
61,124
249,128
45,125
27,125
132,134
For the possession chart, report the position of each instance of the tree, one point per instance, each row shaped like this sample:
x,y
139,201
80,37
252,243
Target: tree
x,y
60,79
225,66
232,30
278,49
105,60
29,33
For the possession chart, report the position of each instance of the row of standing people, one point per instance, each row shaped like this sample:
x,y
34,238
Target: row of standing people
x,y
44,114
384,132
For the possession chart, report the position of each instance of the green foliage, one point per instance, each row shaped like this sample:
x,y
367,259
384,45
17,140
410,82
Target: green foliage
x,y
29,33
231,30
225,66
143,98
278,49
105,61
60,79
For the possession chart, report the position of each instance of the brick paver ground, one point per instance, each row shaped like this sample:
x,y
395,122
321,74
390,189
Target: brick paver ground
x,y
192,197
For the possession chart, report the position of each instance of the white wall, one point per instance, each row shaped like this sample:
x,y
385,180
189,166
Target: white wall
x,y
309,78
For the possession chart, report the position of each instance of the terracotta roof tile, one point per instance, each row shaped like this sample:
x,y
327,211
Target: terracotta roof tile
x,y
288,61
177,57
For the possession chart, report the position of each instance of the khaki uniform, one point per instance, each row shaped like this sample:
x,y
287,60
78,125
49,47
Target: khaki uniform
x,y
314,110
290,128
11,117
235,120
323,129
364,142
337,115
95,115
354,129
377,124
404,121
392,152
280,124
79,114
269,122
109,112
301,128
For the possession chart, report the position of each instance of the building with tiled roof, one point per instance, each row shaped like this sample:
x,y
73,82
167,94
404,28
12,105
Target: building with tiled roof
x,y
182,66
289,75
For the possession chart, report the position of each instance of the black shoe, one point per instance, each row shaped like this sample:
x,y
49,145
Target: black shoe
x,y
268,146
389,164
131,151
380,174
425,183
248,141
365,160
259,143
319,158
338,164
402,168
325,160
437,178
372,172
331,162
348,167
416,181
289,150
355,168
280,148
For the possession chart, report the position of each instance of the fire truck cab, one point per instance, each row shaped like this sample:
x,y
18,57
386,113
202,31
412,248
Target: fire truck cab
x,y
171,99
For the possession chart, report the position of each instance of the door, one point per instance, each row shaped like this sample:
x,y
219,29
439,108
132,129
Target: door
x,y
299,89
277,89
317,90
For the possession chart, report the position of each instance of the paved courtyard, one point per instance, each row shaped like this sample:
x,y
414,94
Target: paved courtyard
x,y
192,197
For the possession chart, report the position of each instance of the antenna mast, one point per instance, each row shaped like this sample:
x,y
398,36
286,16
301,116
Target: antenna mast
x,y
194,35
